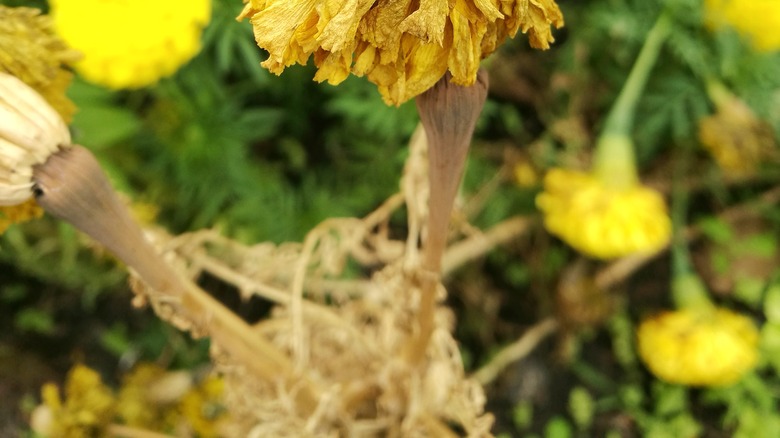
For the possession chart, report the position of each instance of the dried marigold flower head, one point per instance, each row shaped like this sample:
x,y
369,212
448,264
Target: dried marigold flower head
x,y
402,46
758,20
19,213
30,132
602,220
735,137
712,347
120,54
31,51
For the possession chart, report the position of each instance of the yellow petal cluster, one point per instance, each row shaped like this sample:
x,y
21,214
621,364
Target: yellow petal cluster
x,y
16,214
131,44
402,46
736,138
151,398
601,220
699,347
87,409
31,51
758,20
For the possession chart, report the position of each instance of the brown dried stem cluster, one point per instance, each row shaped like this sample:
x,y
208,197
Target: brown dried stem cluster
x,y
346,338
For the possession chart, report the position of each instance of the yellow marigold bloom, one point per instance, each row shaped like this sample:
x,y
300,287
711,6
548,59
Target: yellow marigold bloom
x,y
86,410
131,44
601,220
402,46
758,20
699,347
31,51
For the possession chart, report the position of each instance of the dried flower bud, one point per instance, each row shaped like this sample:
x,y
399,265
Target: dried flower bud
x,y
30,131
32,51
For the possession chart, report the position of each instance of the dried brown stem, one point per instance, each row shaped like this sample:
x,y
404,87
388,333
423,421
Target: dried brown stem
x,y
515,351
477,246
449,114
72,186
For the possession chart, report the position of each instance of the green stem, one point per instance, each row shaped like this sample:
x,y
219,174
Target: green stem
x,y
688,290
621,117
718,93
614,161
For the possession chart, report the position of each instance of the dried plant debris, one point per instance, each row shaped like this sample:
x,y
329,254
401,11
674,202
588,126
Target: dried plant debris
x,y
346,338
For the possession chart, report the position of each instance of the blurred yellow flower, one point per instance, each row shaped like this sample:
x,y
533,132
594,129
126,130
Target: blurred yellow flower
x,y
602,220
737,139
87,409
758,20
16,214
699,347
402,46
131,44
150,398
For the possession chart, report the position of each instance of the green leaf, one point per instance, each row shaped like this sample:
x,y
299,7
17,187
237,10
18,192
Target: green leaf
x,y
34,320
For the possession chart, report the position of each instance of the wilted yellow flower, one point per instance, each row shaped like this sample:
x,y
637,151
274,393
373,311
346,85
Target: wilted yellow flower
x,y
131,44
402,46
758,20
31,51
154,398
16,214
135,406
202,410
86,410
699,347
737,139
600,219
30,131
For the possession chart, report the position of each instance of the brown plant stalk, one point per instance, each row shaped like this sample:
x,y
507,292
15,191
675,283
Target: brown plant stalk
x,y
71,186
449,113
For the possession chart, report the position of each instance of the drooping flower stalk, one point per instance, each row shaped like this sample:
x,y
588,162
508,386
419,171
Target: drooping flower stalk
x,y
449,114
67,181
